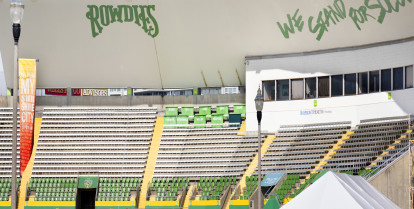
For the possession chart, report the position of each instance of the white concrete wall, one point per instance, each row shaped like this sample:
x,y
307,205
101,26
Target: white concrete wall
x,y
394,182
194,36
343,108
3,87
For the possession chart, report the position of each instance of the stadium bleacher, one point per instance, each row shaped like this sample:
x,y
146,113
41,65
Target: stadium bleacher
x,y
298,149
204,152
95,141
113,144
6,127
372,141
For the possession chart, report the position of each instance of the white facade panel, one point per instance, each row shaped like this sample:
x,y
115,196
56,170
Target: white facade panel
x,y
342,108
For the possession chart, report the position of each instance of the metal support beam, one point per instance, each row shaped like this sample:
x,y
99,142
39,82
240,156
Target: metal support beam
x,y
14,133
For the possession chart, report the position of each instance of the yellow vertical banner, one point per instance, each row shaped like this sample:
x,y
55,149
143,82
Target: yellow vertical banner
x,y
27,95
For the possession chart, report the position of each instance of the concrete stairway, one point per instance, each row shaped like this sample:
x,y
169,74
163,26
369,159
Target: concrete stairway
x,y
152,158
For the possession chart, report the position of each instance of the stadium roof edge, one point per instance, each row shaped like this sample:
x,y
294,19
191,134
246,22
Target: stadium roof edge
x,y
324,51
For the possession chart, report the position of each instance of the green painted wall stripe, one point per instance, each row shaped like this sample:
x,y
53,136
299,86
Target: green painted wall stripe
x,y
161,207
47,207
239,207
204,207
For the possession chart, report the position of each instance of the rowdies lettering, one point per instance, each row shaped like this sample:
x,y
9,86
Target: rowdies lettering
x,y
104,15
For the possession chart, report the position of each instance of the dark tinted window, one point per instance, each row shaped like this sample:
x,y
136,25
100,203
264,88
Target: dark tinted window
x,y
350,84
269,90
397,81
310,88
336,85
374,81
386,80
323,86
362,83
282,89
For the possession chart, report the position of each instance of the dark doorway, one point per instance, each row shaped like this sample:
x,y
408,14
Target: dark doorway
x,y
85,199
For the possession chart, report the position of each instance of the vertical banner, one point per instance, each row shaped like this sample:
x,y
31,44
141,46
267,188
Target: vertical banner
x,y
27,90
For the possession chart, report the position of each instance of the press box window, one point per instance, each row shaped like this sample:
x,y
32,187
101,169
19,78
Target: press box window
x,y
386,80
323,86
282,89
269,90
350,84
374,81
362,83
310,88
409,76
397,78
337,85
297,89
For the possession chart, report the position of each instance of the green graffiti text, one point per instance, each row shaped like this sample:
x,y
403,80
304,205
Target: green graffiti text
x,y
336,12
104,15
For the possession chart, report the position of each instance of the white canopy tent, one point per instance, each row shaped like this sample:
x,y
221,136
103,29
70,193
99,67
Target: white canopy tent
x,y
340,191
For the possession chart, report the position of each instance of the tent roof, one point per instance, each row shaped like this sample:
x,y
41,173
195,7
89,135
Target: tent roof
x,y
336,190
272,179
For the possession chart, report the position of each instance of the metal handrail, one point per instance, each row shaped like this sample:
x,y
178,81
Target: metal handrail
x,y
379,168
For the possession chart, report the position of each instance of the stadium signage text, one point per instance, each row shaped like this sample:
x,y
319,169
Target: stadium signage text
x,y
314,112
94,92
104,15
332,14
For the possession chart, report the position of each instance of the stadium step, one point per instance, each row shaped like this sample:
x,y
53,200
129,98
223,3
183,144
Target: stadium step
x,y
28,171
152,158
386,152
252,166
317,168
242,129
331,152
191,189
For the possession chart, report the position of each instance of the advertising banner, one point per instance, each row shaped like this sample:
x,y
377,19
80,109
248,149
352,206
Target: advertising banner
x,y
86,182
27,86
76,92
95,92
62,92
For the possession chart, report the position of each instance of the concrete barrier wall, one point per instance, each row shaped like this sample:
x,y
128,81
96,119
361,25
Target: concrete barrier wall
x,y
394,183
4,102
159,101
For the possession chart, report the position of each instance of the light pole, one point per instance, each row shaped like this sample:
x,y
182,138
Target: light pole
x,y
16,13
259,107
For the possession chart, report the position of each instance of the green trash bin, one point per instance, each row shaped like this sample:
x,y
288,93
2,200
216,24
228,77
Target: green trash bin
x,y
205,110
200,121
217,121
170,121
240,109
171,111
182,121
188,111
223,110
